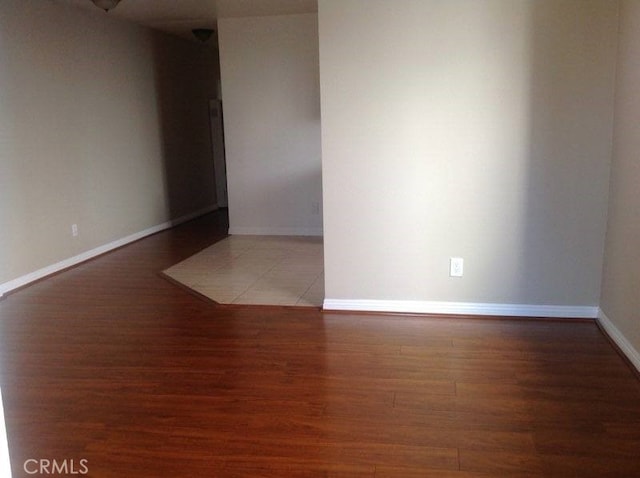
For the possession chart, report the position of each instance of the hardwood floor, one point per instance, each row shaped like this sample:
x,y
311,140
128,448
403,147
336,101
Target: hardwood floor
x,y
111,363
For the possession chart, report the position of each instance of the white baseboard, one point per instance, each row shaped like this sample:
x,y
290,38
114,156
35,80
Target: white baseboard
x,y
461,308
275,231
629,350
85,256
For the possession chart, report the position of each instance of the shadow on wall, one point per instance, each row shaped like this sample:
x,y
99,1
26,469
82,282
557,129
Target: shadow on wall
x,y
570,117
186,75
550,111
282,202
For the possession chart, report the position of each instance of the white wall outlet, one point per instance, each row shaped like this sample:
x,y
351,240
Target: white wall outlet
x,y
74,230
456,267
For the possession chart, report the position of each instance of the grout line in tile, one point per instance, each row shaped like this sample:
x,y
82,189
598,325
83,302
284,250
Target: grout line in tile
x,y
310,286
257,279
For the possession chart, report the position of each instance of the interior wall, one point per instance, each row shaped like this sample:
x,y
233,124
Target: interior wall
x,y
103,124
271,103
620,300
482,133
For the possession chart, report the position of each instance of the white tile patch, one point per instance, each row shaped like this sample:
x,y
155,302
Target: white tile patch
x,y
257,270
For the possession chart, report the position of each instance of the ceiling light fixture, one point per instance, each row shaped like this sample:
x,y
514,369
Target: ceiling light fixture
x,y
106,5
202,34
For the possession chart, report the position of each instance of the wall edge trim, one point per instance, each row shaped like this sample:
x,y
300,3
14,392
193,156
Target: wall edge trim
x,y
619,339
462,308
275,231
97,251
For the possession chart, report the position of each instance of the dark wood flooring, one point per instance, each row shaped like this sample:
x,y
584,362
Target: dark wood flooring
x,y
111,363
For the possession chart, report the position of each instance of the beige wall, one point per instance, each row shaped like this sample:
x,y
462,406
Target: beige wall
x,y
620,299
271,103
102,124
477,131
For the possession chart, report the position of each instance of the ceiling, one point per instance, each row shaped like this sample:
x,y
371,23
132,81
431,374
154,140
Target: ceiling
x,y
179,17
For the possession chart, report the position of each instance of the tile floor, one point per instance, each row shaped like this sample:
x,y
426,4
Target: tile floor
x,y
259,270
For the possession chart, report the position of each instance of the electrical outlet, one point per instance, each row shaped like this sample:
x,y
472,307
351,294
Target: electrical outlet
x,y
74,230
456,267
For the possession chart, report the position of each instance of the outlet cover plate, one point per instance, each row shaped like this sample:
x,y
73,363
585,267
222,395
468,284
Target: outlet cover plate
x,y
456,267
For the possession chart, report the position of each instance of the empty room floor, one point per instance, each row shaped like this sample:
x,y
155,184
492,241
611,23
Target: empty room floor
x,y
111,363
256,270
